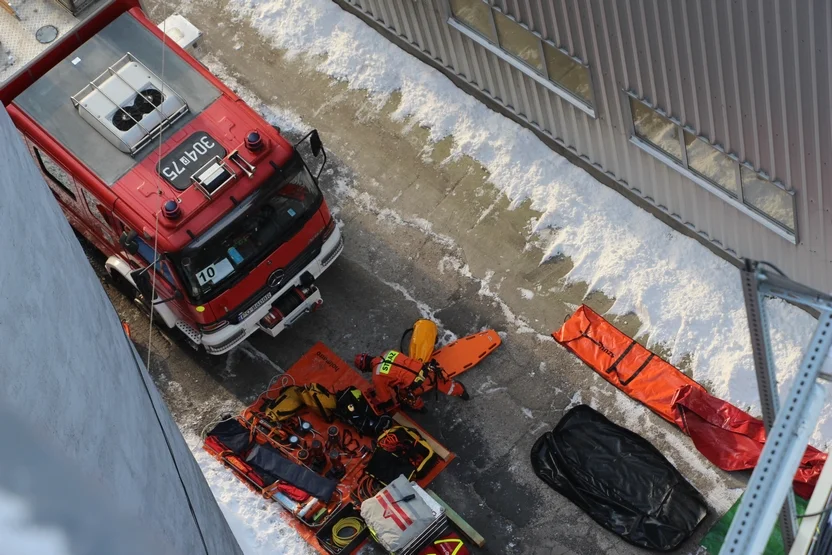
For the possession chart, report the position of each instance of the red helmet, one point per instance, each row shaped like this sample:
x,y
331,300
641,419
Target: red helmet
x,y
363,361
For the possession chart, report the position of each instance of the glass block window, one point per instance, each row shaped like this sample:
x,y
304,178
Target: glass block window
x,y
528,48
700,160
656,129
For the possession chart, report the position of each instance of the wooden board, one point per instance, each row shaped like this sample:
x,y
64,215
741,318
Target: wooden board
x,y
460,523
8,7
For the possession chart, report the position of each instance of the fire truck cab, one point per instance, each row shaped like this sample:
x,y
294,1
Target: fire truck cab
x,y
202,207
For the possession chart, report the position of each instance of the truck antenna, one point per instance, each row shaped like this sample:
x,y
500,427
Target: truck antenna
x,y
158,195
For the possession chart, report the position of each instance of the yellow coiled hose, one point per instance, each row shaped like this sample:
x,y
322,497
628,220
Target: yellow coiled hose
x,y
345,530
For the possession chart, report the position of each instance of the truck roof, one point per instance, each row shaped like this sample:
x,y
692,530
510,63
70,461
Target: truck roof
x,y
77,100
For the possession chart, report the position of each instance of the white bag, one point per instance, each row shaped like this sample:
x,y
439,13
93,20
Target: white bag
x,y
397,514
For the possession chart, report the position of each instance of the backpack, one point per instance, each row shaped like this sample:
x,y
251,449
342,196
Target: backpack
x,y
316,397
354,409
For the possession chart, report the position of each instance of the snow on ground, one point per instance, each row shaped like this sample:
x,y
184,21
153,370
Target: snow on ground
x,y
261,527
275,115
20,535
688,299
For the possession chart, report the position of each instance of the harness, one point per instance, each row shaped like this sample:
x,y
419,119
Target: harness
x,y
434,371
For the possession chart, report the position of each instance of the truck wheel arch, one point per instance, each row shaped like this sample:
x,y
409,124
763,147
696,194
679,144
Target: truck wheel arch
x,y
116,266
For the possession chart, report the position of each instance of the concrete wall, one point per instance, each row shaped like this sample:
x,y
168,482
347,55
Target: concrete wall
x,y
71,377
752,76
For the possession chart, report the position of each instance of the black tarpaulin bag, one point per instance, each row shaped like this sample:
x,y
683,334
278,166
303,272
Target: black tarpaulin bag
x,y
272,465
619,479
233,435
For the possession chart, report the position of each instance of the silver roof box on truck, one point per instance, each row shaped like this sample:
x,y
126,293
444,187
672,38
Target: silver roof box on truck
x,y
129,105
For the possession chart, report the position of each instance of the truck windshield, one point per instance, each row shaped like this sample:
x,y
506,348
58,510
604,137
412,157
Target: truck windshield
x,y
250,232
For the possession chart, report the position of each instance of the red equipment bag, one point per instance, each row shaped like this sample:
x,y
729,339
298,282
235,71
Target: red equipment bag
x,y
733,439
450,544
729,437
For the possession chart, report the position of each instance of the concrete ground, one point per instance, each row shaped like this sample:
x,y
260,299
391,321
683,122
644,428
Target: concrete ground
x,y
426,236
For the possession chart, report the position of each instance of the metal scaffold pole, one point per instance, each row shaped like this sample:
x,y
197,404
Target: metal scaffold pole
x,y
787,427
766,380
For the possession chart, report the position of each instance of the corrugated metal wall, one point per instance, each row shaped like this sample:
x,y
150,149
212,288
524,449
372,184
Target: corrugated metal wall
x,y
752,75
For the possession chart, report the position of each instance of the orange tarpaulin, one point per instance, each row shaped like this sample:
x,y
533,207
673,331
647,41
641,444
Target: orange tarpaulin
x,y
729,437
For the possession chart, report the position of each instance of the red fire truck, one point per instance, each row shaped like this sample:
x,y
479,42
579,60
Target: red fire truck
x,y
203,209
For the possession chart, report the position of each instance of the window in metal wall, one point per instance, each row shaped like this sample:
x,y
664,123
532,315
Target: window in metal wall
x,y
518,42
568,73
546,63
656,129
712,164
711,167
767,197
476,15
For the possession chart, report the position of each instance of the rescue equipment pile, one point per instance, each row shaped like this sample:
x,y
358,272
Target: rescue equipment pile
x,y
729,437
315,443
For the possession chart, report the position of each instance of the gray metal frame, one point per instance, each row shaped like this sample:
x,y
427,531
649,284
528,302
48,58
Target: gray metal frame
x,y
788,429
766,380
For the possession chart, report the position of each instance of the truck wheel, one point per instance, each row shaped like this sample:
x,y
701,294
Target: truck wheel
x,y
94,256
129,291
122,285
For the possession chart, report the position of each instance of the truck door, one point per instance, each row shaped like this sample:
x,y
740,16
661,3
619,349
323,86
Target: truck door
x,y
165,283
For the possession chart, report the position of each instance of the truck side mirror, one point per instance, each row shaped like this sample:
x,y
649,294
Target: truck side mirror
x,y
315,143
144,285
128,241
142,281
